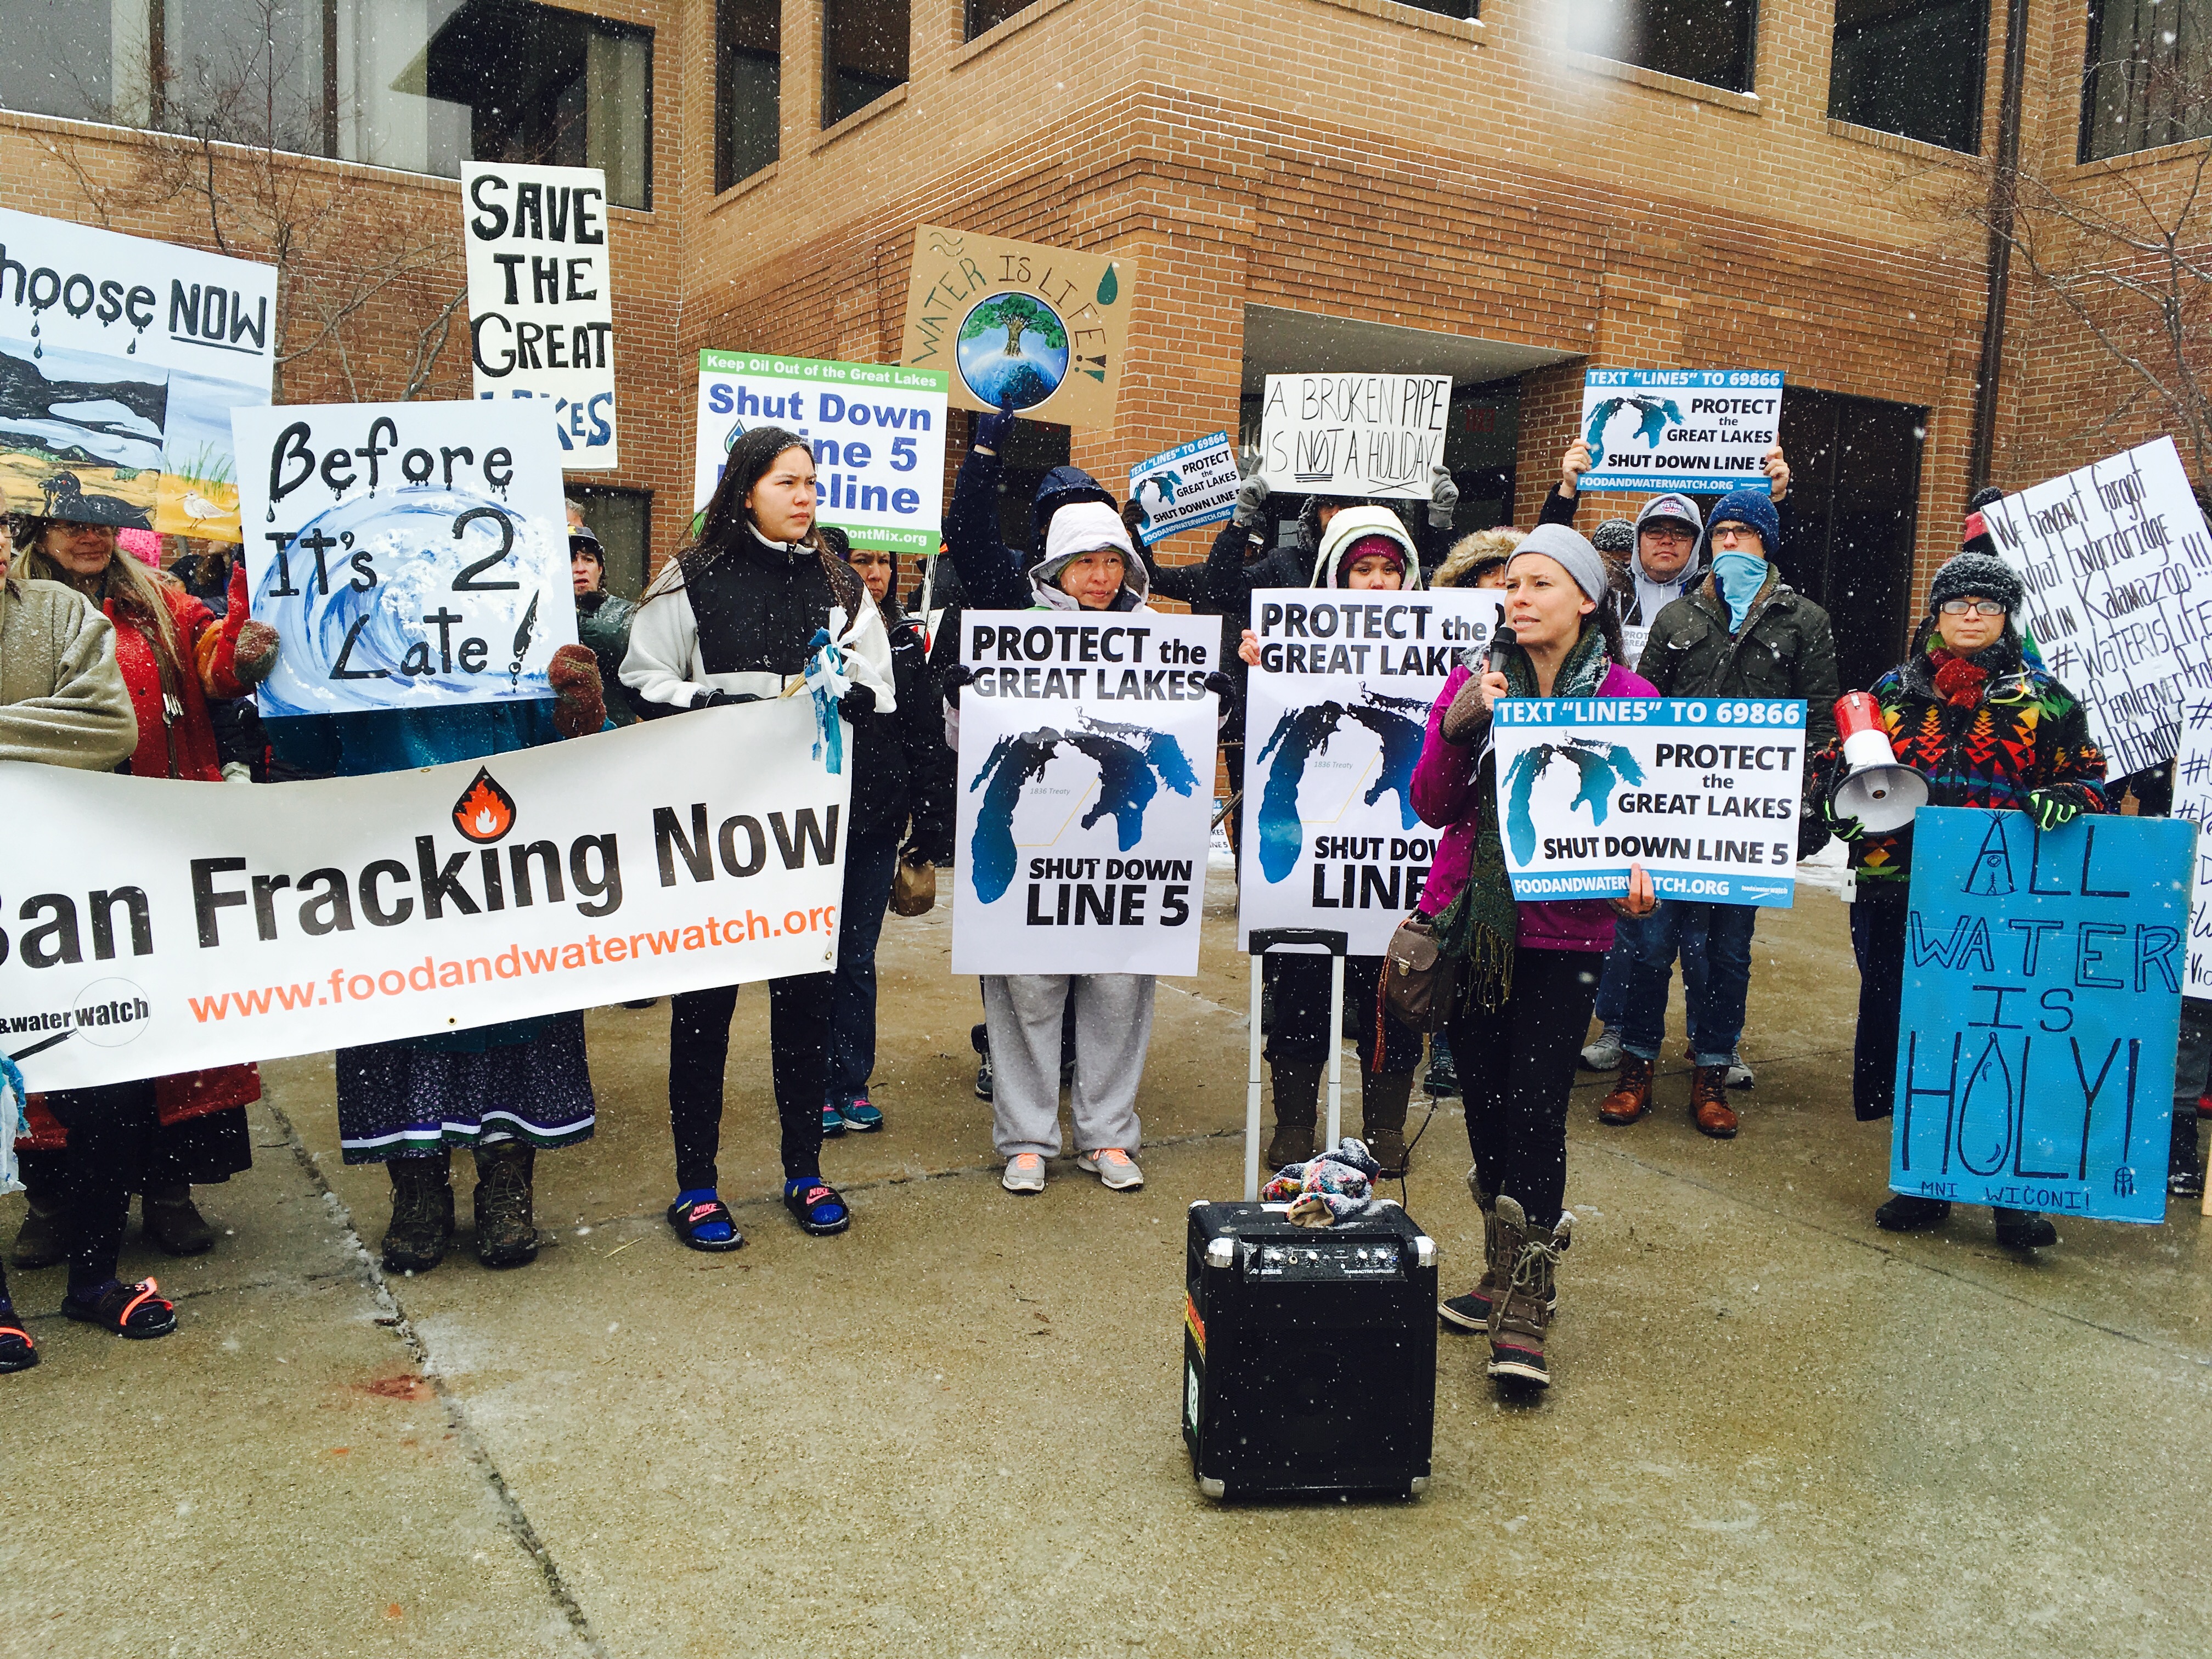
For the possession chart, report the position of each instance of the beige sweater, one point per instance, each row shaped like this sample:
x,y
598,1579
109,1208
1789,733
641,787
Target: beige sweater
x,y
62,697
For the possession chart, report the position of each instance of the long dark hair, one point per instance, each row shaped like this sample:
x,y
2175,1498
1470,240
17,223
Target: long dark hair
x,y
727,521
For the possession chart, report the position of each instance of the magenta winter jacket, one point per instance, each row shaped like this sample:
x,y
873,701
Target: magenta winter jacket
x,y
1444,796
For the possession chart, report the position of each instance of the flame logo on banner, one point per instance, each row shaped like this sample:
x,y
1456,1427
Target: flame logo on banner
x,y
485,811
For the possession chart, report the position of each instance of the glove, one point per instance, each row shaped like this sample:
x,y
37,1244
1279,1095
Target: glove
x,y
1843,828
722,698
955,677
1221,685
991,429
1443,497
579,704
858,701
1251,497
2050,809
237,772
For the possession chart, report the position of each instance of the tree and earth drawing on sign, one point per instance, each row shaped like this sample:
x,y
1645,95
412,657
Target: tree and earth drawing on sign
x,y
1133,763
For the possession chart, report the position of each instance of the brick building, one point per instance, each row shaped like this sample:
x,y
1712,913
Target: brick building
x,y
1302,183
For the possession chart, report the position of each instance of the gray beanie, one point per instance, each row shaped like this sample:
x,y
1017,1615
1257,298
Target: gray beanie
x,y
1573,552
1979,575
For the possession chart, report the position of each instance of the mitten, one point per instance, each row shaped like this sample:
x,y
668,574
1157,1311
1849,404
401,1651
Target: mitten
x,y
1251,497
955,677
722,698
1221,685
858,701
991,429
2050,809
579,702
239,654
1443,497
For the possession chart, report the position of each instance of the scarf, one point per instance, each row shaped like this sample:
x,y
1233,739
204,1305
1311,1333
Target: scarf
x,y
1477,928
1739,576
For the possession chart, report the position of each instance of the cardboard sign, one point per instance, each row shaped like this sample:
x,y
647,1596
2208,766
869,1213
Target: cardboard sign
x,y
1085,791
1014,324
1335,716
1699,431
408,554
541,299
1354,434
2119,568
2041,1008
120,360
185,924
878,434
2192,803
1702,792
1186,487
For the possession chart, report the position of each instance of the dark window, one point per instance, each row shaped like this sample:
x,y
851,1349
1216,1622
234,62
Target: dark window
x,y
2149,80
984,15
1855,492
360,80
1912,67
1480,446
748,87
1033,449
864,50
1713,41
622,520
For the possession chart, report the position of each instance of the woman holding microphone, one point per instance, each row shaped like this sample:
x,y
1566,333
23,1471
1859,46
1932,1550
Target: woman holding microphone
x,y
1526,973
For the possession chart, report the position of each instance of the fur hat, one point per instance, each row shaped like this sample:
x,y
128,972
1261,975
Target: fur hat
x,y
1473,555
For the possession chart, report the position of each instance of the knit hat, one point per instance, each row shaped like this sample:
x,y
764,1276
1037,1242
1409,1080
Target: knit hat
x,y
1350,526
1573,552
1974,536
1616,538
1669,507
1752,508
1977,575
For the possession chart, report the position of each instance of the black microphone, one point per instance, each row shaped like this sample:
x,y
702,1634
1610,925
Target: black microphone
x,y
1504,636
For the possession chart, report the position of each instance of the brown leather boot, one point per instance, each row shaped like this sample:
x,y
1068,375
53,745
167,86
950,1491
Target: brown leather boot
x,y
1527,1261
174,1222
1632,1092
422,1225
1471,1312
1382,1098
1297,1101
1709,1107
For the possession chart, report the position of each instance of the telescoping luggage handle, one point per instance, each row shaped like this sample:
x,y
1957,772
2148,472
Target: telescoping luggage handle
x,y
1258,943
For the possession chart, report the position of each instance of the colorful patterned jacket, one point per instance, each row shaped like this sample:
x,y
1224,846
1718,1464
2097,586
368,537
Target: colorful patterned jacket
x,y
2023,732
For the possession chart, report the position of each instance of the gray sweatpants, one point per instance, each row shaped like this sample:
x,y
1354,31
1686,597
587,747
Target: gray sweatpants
x,y
1113,1027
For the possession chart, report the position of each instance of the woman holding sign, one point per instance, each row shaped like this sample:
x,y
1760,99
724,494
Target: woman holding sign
x,y
1985,728
733,618
1526,974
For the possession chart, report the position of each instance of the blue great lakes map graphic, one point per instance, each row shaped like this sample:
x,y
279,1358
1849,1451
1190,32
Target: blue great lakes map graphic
x,y
1654,416
1304,732
1132,762
1602,765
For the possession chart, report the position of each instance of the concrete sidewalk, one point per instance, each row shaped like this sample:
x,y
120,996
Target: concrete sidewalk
x,y
1775,1430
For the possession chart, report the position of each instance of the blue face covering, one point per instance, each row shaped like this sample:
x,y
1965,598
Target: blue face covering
x,y
1739,576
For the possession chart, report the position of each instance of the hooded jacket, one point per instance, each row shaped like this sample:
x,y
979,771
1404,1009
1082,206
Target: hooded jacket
x,y
63,701
1349,526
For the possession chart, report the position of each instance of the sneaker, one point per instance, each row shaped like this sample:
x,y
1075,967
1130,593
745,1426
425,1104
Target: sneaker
x,y
1604,1055
1739,1075
1024,1173
1114,1168
983,1079
860,1117
1443,1078
979,1038
833,1123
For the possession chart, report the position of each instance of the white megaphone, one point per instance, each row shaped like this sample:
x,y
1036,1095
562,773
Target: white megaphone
x,y
1877,790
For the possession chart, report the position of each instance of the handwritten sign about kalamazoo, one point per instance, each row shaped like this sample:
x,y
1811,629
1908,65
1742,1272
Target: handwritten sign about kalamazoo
x,y
2119,568
1187,487
1702,792
1354,434
541,299
1696,430
1334,717
878,434
408,554
2041,1008
2192,801
1085,791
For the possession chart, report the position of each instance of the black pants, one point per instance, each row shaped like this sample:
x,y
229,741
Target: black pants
x,y
1301,1032
1516,1068
110,1129
1878,941
798,1056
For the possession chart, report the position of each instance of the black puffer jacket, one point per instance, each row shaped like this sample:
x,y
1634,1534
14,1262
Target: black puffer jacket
x,y
917,753
603,627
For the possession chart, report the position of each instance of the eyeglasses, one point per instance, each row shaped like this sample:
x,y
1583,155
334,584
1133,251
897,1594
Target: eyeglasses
x,y
1978,607
1735,532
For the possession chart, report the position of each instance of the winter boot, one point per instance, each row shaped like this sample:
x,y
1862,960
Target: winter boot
x,y
421,1212
1471,1312
1709,1107
2184,1173
2024,1230
43,1239
1907,1212
1383,1098
1632,1092
1521,1311
1442,1079
1298,1102
174,1221
506,1236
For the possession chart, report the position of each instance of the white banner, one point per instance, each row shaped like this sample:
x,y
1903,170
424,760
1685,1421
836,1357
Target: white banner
x,y
162,926
1185,488
1085,791
2193,799
2119,567
541,299
1702,792
408,554
878,434
1334,717
1698,430
1353,435
120,360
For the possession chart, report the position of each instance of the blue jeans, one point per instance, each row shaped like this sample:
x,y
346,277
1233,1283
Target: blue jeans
x,y
1714,941
869,862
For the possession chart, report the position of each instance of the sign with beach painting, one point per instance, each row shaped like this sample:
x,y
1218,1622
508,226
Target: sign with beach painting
x,y
1017,325
120,360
